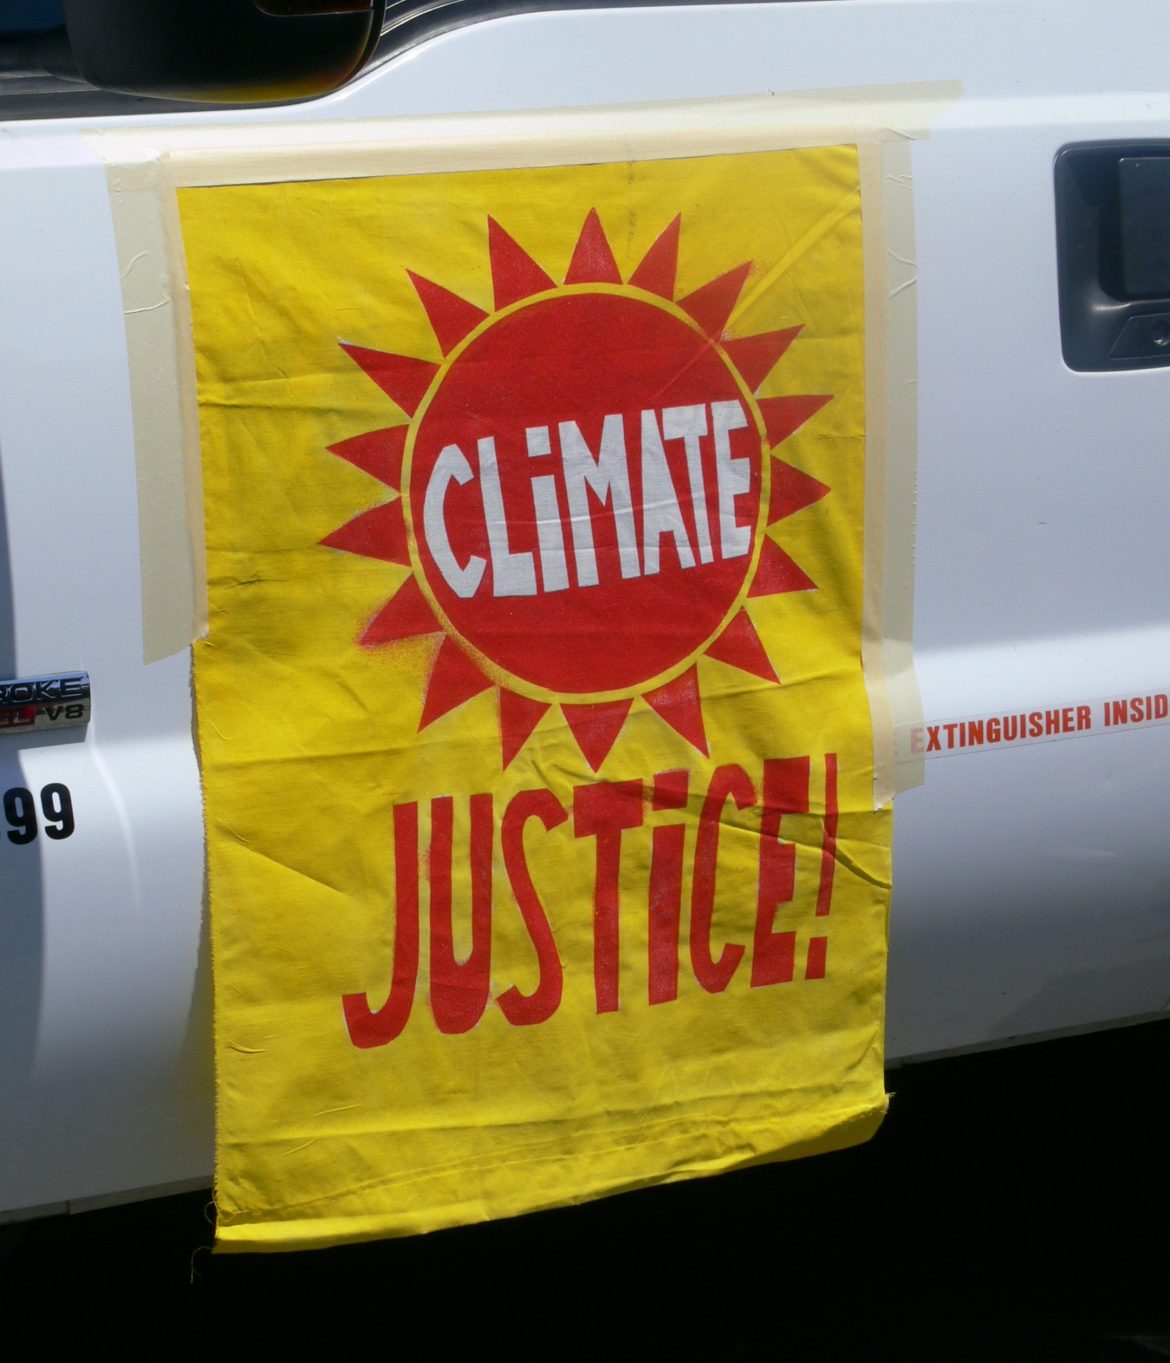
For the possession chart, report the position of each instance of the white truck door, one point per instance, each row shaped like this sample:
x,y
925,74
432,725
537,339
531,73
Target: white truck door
x,y
1032,880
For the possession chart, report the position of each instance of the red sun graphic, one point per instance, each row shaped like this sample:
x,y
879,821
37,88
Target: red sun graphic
x,y
585,488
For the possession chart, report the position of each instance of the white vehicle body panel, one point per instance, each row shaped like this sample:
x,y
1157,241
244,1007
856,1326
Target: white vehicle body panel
x,y
1032,884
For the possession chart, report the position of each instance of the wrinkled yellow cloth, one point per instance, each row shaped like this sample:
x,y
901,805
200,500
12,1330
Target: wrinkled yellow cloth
x,y
536,748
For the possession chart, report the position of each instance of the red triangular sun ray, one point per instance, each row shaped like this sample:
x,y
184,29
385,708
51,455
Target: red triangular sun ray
x,y
679,703
378,453
658,267
756,356
450,316
783,416
593,261
778,573
515,275
596,727
380,533
739,646
792,491
519,716
455,679
713,304
406,614
400,377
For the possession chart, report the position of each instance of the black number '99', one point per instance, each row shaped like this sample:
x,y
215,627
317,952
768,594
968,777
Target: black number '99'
x,y
21,812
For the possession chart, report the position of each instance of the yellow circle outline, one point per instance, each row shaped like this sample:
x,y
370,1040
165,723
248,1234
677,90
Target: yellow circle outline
x,y
499,675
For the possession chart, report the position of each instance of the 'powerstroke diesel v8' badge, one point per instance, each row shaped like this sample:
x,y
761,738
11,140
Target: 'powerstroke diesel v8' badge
x,y
57,702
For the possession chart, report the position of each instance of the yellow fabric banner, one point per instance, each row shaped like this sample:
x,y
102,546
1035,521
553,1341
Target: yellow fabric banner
x,y
537,753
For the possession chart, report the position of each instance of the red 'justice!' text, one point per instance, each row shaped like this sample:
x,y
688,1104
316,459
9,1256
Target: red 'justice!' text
x,y
460,990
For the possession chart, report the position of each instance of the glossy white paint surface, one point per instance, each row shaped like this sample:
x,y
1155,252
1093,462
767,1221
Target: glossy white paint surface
x,y
1032,887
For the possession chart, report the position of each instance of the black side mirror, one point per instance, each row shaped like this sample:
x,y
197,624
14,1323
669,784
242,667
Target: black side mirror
x,y
222,51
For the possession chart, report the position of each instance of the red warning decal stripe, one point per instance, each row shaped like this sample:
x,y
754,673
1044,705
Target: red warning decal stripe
x,y
976,733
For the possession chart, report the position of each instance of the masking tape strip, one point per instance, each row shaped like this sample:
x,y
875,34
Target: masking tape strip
x,y
145,167
255,153
162,387
891,366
